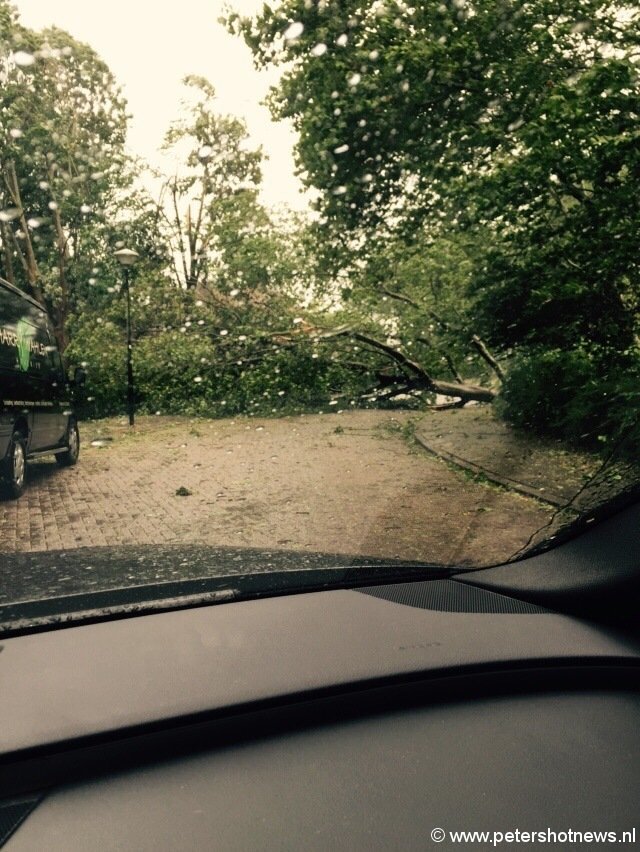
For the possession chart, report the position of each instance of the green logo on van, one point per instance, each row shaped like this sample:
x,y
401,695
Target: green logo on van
x,y
24,335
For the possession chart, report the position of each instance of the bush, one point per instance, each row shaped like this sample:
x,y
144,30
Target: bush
x,y
187,373
580,396
100,348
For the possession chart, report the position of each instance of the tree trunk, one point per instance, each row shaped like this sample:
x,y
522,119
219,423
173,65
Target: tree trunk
x,y
27,256
462,390
6,250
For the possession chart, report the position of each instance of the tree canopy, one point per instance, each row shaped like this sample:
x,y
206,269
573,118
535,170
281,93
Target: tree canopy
x,y
507,129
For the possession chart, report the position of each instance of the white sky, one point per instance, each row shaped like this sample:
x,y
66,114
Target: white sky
x,y
150,45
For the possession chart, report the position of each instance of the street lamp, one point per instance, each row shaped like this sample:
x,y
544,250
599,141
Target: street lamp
x,y
126,258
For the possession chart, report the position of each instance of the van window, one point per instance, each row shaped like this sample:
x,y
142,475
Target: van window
x,y
9,317
55,364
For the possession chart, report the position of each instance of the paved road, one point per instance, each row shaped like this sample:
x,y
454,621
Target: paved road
x,y
347,484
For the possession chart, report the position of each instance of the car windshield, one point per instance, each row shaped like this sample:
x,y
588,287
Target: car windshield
x,y
312,283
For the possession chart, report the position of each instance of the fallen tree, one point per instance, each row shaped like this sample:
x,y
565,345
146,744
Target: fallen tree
x,y
420,379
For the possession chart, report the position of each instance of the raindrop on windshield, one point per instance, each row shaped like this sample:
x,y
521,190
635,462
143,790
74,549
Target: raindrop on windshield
x,y
294,31
24,59
9,214
319,49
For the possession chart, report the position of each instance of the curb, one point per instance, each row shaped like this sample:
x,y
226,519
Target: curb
x,y
509,484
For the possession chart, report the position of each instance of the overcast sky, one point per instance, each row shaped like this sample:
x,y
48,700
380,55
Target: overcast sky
x,y
150,45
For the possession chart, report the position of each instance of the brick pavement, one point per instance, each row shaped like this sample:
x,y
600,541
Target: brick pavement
x,y
338,482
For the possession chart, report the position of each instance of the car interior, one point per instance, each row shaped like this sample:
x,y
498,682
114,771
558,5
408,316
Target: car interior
x,y
355,711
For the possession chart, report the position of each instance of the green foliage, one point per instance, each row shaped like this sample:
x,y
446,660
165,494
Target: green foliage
x,y
215,190
575,395
100,349
236,355
62,163
481,160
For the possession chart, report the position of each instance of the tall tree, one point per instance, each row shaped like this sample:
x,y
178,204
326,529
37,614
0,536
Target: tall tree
x,y
217,167
62,163
513,124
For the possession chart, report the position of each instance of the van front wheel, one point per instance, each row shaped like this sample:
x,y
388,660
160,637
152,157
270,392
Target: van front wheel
x,y
14,467
70,456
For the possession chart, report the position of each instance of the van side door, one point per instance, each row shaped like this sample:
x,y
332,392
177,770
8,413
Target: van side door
x,y
38,376
9,391
60,393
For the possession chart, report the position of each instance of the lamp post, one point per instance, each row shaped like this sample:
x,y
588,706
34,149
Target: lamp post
x,y
126,258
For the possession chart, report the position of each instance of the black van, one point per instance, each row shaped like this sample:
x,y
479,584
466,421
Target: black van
x,y
35,407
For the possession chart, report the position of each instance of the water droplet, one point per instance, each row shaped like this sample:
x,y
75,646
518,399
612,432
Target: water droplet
x,y
342,40
198,379
224,332
9,214
205,154
375,54
52,205
341,149
85,209
15,133
24,59
354,79
294,31
319,49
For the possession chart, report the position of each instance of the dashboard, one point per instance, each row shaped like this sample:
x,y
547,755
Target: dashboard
x,y
344,719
